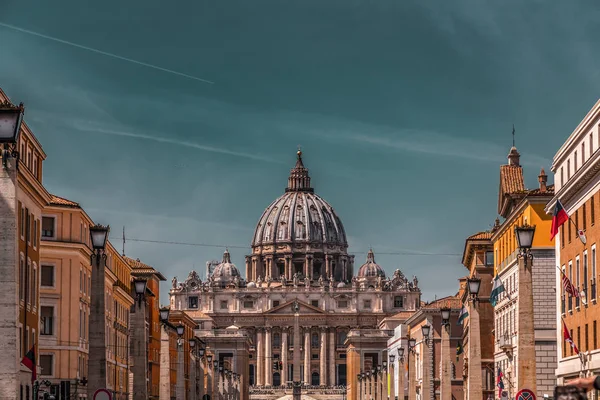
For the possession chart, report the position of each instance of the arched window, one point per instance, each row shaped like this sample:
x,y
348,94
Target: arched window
x,y
276,340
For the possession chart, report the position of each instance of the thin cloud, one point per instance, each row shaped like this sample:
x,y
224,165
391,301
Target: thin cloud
x,y
95,129
79,46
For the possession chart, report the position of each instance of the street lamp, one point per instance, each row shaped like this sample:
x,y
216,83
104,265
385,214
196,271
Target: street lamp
x,y
193,343
474,284
10,125
525,235
215,365
201,351
180,329
140,290
209,358
164,314
97,320
425,331
139,353
445,311
392,358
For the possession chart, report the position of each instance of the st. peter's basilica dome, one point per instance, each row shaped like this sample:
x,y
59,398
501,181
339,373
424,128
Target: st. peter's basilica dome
x,y
371,269
299,215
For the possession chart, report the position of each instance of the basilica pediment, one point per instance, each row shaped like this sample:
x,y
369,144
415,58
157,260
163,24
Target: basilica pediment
x,y
295,307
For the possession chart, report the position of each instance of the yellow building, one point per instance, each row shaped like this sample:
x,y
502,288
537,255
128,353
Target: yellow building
x,y
65,302
518,205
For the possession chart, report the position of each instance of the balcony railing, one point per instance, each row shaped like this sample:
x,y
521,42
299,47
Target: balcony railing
x,y
505,342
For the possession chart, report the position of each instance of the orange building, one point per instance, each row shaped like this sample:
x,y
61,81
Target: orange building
x,y
153,277
65,302
31,197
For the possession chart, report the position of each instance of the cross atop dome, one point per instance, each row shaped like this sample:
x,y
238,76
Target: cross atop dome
x,y
299,180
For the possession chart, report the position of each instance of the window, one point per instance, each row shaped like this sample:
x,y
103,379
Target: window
x,y
591,144
584,222
48,275
29,225
568,169
35,232
489,258
582,153
275,303
569,229
248,304
22,279
314,303
34,286
575,161
342,337
46,361
224,305
46,320
367,304
276,340
193,302
314,340
562,235
592,211
398,301
585,271
562,176
342,304
585,335
48,227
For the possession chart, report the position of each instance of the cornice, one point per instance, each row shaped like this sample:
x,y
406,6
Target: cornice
x,y
517,212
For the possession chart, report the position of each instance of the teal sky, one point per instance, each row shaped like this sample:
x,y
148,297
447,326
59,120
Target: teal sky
x,y
180,120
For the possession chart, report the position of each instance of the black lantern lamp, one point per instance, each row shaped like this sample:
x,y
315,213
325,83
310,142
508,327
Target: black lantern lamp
x,y
201,351
164,314
99,237
474,284
392,358
192,343
373,371
368,374
401,352
180,329
425,329
209,358
445,311
11,117
412,342
524,236
384,363
216,365
359,377
140,289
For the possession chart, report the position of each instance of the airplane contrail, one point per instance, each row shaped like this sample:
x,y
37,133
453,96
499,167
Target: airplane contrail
x,y
170,71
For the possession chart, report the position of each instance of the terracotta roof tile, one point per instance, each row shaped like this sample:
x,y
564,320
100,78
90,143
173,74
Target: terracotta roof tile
x,y
61,201
450,301
481,236
403,315
142,268
511,179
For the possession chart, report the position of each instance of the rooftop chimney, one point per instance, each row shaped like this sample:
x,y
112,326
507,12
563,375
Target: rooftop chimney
x,y
543,179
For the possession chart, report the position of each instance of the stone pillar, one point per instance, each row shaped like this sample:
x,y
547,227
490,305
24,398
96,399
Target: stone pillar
x,y
97,328
284,356
165,365
288,268
268,358
474,378
332,354
446,378
193,379
307,356
323,358
180,384
400,373
526,365
297,344
327,265
311,267
9,285
254,269
412,374
392,387
139,351
201,384
426,381
248,270
260,358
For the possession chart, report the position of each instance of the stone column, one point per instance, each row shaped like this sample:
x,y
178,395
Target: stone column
x,y
193,379
268,358
474,378
327,265
288,268
297,343
392,393
254,269
139,350
446,378
284,356
248,270
323,358
260,354
180,385
526,365
400,388
165,365
9,284
97,328
332,353
201,384
412,374
311,261
307,356
426,381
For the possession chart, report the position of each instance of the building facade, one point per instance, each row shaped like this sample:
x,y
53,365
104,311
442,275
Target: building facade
x,y
23,198
576,169
518,206
65,303
301,297
477,342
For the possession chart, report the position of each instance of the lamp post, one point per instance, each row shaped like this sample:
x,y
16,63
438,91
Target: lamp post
x,y
412,370
474,377
180,387
368,375
201,368
97,321
139,344
392,367
193,370
526,372
446,376
165,354
426,386
359,380
11,117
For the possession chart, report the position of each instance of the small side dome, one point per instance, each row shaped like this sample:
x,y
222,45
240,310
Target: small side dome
x,y
251,285
371,269
341,285
226,271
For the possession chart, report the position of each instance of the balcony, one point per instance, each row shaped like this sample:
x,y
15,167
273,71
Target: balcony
x,y
505,343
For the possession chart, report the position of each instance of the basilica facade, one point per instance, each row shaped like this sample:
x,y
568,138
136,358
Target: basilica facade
x,y
300,296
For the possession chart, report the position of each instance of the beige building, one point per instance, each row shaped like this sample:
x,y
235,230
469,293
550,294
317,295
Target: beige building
x,y
302,295
65,302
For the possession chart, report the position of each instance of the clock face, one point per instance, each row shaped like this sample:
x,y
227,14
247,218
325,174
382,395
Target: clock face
x,y
8,124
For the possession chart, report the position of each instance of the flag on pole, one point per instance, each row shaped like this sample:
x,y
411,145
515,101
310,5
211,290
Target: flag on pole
x,y
499,383
569,339
497,288
464,313
29,362
568,286
459,349
559,217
